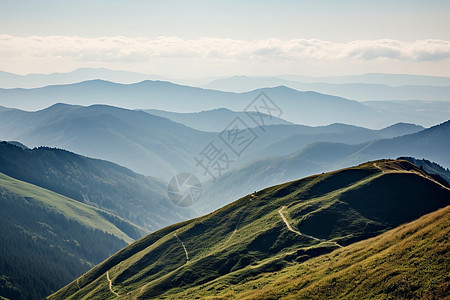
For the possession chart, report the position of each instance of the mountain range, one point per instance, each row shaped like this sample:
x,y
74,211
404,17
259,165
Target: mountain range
x,y
79,221
153,145
32,80
11,80
355,90
307,108
160,147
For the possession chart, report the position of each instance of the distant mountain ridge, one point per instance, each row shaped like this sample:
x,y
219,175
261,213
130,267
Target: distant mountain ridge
x,y
308,108
355,90
336,133
10,80
376,78
214,120
153,145
419,112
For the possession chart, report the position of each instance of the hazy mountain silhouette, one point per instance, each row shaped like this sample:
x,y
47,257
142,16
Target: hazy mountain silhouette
x,y
356,90
335,133
299,107
426,113
143,95
309,108
213,120
10,80
147,144
376,78
156,146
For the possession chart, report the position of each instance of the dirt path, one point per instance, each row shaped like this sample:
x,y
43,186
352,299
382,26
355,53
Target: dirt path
x,y
376,165
289,227
110,284
239,219
229,238
187,260
184,247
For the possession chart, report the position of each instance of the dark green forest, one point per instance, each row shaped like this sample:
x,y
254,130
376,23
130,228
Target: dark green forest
x,y
43,249
438,172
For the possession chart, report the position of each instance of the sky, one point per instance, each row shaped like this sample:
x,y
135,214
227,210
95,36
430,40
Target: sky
x,y
195,39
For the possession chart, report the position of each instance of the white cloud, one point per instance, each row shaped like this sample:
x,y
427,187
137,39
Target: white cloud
x,y
125,49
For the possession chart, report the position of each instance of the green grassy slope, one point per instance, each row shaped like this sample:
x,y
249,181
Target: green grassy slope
x,y
249,237
47,240
408,262
87,215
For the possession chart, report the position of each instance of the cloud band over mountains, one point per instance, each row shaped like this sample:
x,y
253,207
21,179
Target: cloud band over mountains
x,y
126,49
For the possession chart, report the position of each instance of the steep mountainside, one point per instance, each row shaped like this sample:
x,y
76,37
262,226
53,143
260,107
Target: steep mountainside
x,y
265,232
139,199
